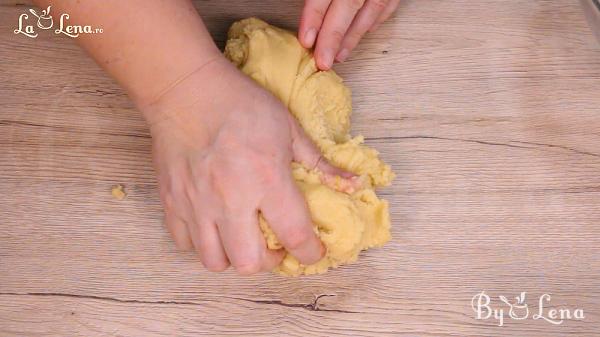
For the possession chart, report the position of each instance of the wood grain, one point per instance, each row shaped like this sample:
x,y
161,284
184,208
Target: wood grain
x,y
488,111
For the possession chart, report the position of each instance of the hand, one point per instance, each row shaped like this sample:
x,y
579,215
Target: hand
x,y
338,25
222,149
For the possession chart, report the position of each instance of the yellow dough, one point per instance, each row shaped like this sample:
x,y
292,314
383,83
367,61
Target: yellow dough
x,y
118,192
346,222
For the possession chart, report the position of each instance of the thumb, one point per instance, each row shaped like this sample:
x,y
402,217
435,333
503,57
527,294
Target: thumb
x,y
308,154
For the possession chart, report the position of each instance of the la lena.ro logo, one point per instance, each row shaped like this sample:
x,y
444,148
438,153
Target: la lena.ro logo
x,y
519,310
45,21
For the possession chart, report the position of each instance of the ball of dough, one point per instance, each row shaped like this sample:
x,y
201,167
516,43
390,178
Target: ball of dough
x,y
347,223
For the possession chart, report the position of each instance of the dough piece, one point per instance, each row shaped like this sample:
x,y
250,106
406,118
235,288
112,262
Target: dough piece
x,y
346,223
118,192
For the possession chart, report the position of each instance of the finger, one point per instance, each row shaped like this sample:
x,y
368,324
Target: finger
x,y
311,21
337,21
387,12
179,231
205,237
308,154
285,210
245,244
364,20
337,178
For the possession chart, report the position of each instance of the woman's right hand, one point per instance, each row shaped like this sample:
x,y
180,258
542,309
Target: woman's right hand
x,y
222,149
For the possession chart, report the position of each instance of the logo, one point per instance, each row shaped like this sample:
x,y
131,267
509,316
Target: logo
x,y
45,21
519,310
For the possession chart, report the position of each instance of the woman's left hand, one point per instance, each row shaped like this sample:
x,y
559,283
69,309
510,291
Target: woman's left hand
x,y
336,26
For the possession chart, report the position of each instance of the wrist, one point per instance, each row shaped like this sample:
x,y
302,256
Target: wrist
x,y
189,92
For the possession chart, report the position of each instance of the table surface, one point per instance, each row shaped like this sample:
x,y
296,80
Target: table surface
x,y
488,111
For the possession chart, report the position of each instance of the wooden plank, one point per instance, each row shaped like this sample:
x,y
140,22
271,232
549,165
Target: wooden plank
x,y
487,110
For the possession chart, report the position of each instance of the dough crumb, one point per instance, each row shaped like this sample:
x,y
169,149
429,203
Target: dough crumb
x,y
347,220
118,192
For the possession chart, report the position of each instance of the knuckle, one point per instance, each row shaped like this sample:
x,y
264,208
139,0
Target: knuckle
x,y
315,10
247,262
354,36
337,36
248,267
379,5
297,237
215,266
355,4
318,13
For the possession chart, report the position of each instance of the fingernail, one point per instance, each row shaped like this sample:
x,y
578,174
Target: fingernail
x,y
342,55
309,37
326,59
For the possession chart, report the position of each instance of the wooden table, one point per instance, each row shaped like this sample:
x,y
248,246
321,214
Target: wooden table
x,y
488,111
